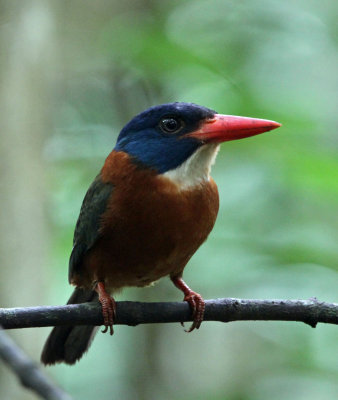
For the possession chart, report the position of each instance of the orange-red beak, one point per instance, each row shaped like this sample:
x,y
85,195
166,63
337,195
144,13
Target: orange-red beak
x,y
222,128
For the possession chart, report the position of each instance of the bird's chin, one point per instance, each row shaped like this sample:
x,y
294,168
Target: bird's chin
x,y
196,169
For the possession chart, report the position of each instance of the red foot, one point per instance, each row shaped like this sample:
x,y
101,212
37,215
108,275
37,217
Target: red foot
x,y
108,307
197,306
195,301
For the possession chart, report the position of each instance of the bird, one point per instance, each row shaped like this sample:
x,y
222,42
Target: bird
x,y
147,212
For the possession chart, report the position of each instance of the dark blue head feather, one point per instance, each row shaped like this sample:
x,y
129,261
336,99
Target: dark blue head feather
x,y
148,144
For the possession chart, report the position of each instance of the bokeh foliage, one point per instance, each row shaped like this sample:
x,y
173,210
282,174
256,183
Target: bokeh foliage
x,y
276,235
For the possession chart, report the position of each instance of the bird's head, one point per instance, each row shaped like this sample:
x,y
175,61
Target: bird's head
x,y
181,140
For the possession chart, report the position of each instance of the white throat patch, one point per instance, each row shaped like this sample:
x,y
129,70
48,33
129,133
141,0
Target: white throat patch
x,y
196,169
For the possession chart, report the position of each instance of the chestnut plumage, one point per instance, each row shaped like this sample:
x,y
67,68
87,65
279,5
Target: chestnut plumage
x,y
147,212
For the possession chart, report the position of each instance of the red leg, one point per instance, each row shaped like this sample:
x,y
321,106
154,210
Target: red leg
x,y
195,301
108,307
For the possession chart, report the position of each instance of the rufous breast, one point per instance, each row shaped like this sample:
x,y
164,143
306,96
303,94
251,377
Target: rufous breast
x,y
151,227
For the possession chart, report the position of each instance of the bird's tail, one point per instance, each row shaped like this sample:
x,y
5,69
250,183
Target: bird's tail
x,y
68,343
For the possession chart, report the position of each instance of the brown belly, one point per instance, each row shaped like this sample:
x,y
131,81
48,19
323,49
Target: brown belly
x,y
149,233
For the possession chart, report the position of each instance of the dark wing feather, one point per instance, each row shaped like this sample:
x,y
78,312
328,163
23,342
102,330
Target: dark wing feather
x,y
87,229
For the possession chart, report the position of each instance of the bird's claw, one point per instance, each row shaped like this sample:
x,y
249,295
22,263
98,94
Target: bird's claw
x,y
108,308
109,313
197,306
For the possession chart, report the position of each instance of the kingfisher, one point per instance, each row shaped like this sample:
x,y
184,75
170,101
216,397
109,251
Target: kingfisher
x,y
147,212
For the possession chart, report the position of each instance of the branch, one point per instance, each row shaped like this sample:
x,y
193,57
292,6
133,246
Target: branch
x,y
309,311
27,371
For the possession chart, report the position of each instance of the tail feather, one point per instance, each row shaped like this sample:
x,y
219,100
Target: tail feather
x,y
68,343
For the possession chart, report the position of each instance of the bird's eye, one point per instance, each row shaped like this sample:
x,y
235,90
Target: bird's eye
x,y
170,125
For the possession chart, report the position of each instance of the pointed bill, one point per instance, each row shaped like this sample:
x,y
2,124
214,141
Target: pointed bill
x,y
222,128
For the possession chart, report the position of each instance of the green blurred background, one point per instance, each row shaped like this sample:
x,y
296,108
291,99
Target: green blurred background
x,y
72,73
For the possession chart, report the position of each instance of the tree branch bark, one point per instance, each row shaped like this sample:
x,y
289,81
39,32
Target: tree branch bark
x,y
309,311
27,371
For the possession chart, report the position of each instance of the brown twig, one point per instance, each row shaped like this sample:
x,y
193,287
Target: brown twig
x,y
27,371
309,311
